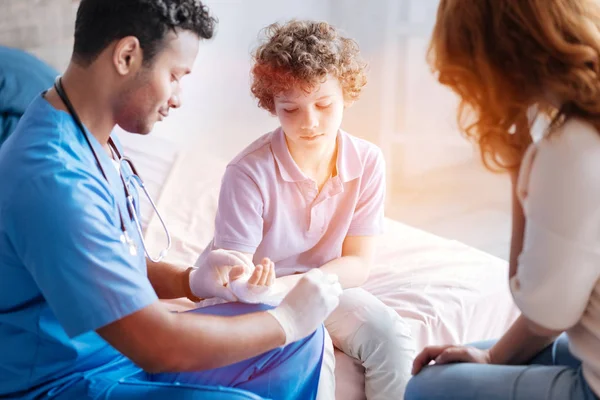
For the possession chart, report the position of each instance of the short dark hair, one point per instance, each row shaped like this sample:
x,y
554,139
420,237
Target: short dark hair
x,y
100,22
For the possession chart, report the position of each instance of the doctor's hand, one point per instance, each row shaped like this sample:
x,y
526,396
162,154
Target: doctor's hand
x,y
308,304
214,272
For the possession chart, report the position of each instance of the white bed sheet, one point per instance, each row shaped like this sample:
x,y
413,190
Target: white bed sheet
x,y
448,292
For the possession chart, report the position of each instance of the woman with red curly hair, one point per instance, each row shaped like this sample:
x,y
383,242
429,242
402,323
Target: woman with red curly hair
x,y
509,61
310,196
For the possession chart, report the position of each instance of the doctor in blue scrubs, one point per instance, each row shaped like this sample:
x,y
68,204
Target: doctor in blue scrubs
x,y
80,316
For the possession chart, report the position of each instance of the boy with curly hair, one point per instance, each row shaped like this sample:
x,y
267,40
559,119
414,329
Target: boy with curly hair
x,y
311,196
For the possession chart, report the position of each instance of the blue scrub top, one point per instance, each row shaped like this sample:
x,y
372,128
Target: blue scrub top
x,y
64,271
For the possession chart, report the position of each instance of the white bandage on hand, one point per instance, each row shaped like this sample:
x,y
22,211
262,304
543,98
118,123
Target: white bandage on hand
x,y
308,304
255,294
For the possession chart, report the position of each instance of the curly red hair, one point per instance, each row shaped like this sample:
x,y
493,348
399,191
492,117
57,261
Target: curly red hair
x,y
303,54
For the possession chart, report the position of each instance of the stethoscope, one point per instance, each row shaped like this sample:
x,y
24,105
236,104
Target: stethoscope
x,y
133,179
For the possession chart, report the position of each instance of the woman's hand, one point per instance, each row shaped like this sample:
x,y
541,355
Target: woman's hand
x,y
450,354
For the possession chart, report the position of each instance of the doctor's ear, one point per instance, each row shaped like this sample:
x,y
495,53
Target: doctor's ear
x,y
127,55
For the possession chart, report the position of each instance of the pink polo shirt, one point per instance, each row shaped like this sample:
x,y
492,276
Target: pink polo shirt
x,y
269,208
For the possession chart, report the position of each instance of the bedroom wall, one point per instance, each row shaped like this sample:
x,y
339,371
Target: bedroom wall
x,y
42,27
217,100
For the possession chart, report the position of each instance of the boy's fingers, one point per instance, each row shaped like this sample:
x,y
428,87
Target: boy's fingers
x,y
265,274
272,275
256,275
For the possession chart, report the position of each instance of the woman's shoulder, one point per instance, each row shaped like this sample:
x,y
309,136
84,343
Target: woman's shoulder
x,y
569,157
575,144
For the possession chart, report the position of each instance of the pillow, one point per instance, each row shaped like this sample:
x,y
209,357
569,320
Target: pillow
x,y
8,123
22,77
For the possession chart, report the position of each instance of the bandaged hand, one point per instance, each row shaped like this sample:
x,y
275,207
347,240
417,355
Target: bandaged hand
x,y
215,270
308,304
258,286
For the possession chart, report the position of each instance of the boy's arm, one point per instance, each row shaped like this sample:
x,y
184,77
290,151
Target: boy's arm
x,y
352,268
358,248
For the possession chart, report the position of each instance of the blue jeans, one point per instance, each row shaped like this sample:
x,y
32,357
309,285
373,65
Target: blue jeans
x,y
554,374
290,372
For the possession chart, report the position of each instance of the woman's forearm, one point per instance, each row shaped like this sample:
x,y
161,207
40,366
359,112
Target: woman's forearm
x,y
519,344
518,226
523,134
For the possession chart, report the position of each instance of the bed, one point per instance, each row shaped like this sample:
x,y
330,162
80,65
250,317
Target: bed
x,y
447,291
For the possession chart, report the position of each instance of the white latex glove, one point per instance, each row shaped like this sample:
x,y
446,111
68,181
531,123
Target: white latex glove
x,y
215,270
308,304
